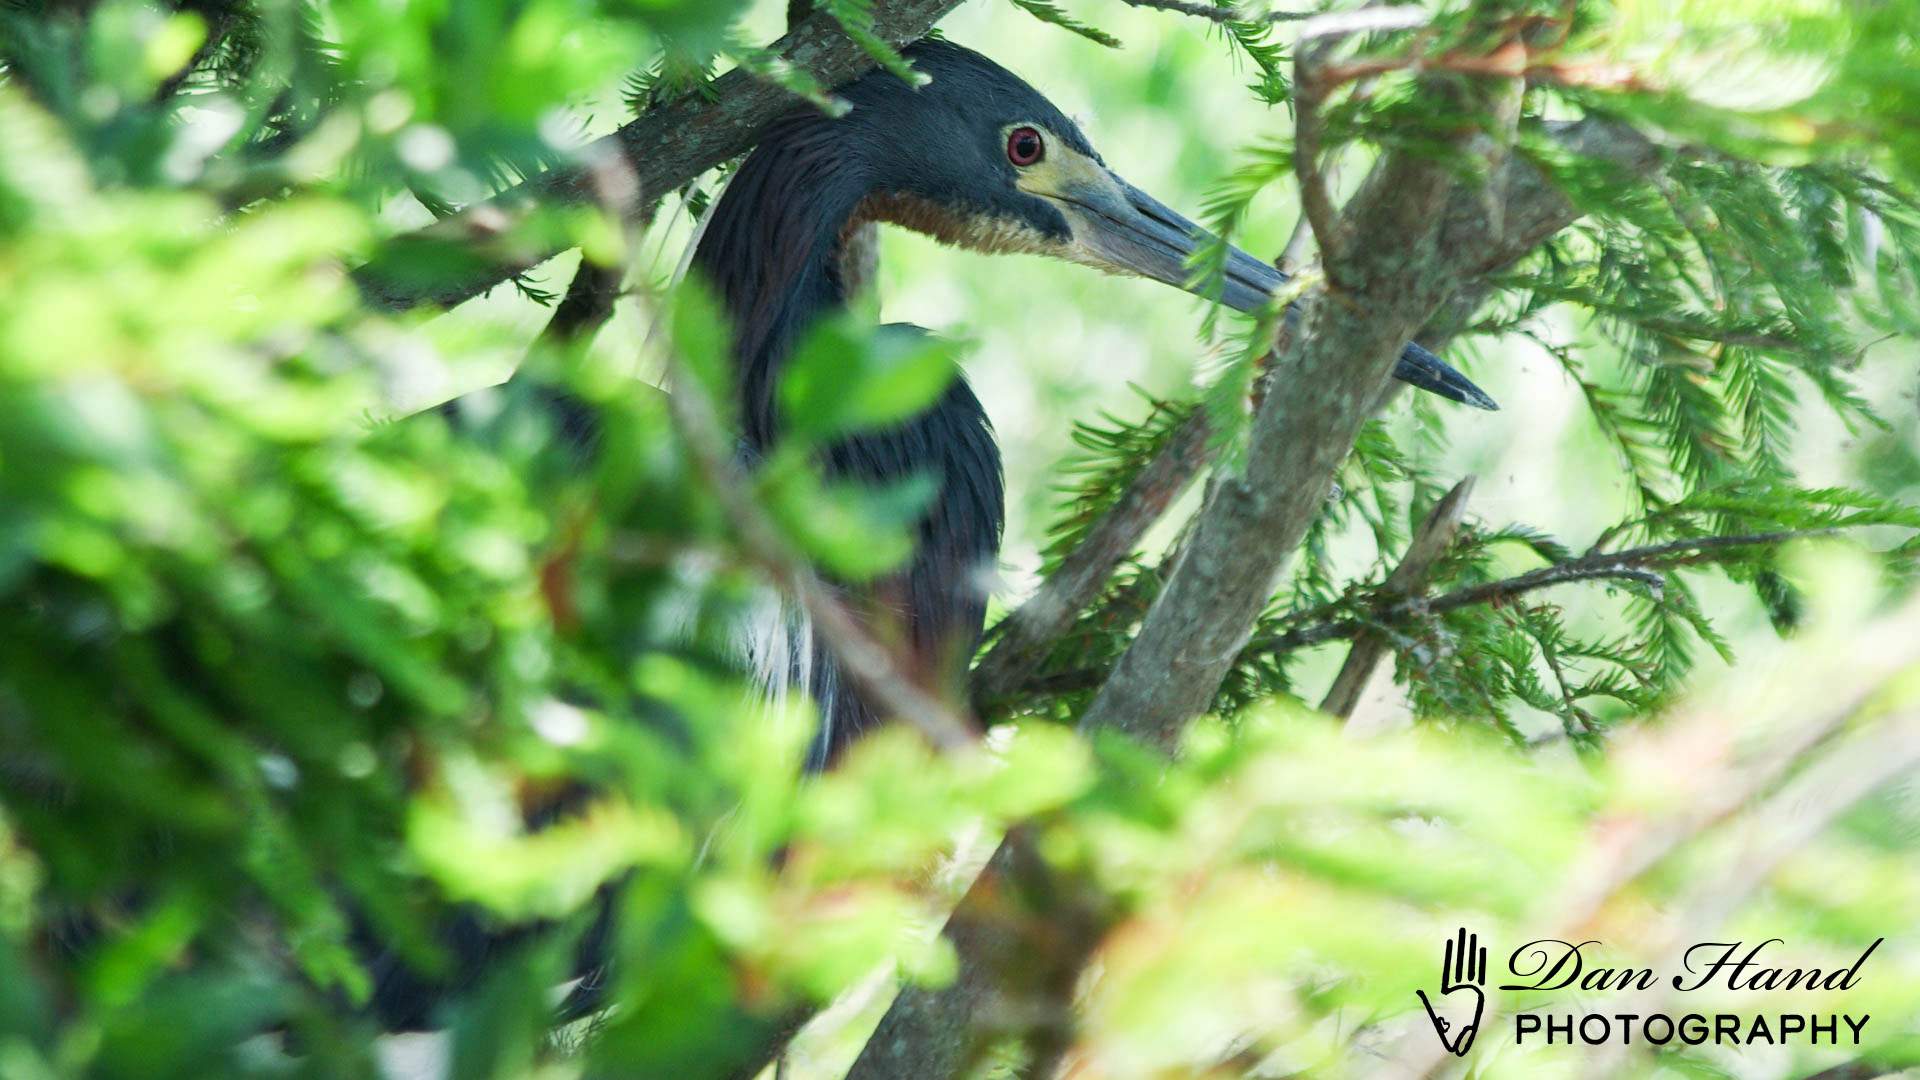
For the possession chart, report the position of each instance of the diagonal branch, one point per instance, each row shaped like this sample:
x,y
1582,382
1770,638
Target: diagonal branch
x,y
1408,579
587,306
668,146
1201,620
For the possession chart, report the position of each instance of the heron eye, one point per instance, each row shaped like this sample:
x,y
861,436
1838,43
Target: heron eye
x,y
1025,147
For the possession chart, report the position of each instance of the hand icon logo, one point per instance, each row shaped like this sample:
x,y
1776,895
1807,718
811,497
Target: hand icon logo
x,y
1463,968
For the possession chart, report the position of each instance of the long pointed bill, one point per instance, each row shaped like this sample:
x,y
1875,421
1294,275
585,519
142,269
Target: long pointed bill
x,y
1123,229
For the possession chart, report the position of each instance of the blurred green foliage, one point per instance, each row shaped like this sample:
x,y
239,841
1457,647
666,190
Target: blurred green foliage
x,y
290,684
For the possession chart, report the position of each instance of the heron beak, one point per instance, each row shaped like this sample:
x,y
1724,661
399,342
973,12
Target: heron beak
x,y
1122,229
1134,233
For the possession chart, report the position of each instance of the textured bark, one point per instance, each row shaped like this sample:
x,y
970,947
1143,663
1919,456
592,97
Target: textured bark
x,y
1326,388
668,146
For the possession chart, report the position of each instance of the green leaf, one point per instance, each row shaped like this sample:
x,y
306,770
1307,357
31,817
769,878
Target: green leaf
x,y
844,380
856,531
702,342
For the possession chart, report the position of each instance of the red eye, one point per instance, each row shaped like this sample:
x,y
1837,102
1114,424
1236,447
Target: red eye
x,y
1025,147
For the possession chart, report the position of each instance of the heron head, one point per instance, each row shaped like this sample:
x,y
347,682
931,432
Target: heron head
x,y
980,160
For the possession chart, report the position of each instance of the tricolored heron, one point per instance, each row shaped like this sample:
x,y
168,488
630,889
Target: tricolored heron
x,y
978,159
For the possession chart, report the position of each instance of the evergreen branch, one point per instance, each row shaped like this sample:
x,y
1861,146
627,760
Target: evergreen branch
x,y
1048,12
856,18
1314,80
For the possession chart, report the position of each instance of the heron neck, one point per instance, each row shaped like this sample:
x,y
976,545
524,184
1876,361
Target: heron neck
x,y
772,251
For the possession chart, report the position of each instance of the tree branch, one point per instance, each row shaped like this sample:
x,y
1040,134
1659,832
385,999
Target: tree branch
x,y
667,147
1316,194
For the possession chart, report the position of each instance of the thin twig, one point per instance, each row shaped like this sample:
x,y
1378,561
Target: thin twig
x,y
1635,564
1219,13
1311,85
1316,195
